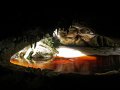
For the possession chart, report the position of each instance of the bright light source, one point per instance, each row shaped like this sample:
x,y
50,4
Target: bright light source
x,y
69,52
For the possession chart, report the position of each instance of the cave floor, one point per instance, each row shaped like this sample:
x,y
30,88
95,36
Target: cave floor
x,y
16,79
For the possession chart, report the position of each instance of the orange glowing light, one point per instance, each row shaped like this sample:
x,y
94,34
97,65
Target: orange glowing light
x,y
26,64
56,62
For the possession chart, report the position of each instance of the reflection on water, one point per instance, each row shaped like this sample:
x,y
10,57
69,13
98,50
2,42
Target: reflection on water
x,y
83,65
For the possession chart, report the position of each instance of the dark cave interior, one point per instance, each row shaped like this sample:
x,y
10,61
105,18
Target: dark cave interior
x,y
16,21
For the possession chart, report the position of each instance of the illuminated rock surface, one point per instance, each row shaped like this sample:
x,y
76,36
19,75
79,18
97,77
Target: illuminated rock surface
x,y
108,58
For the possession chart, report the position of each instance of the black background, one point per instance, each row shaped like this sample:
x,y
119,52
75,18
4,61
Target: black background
x,y
14,21
104,21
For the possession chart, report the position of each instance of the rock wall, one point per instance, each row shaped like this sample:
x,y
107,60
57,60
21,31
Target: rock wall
x,y
108,58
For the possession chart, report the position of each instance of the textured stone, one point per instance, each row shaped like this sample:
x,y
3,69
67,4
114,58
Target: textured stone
x,y
8,47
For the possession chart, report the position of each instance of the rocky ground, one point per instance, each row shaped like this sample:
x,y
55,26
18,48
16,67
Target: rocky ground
x,y
18,77
10,46
13,76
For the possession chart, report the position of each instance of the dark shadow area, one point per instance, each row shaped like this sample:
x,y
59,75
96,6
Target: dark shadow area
x,y
14,21
14,80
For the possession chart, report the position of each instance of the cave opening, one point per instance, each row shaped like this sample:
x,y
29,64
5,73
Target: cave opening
x,y
76,50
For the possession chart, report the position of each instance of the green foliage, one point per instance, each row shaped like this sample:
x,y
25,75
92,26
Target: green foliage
x,y
30,56
48,40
